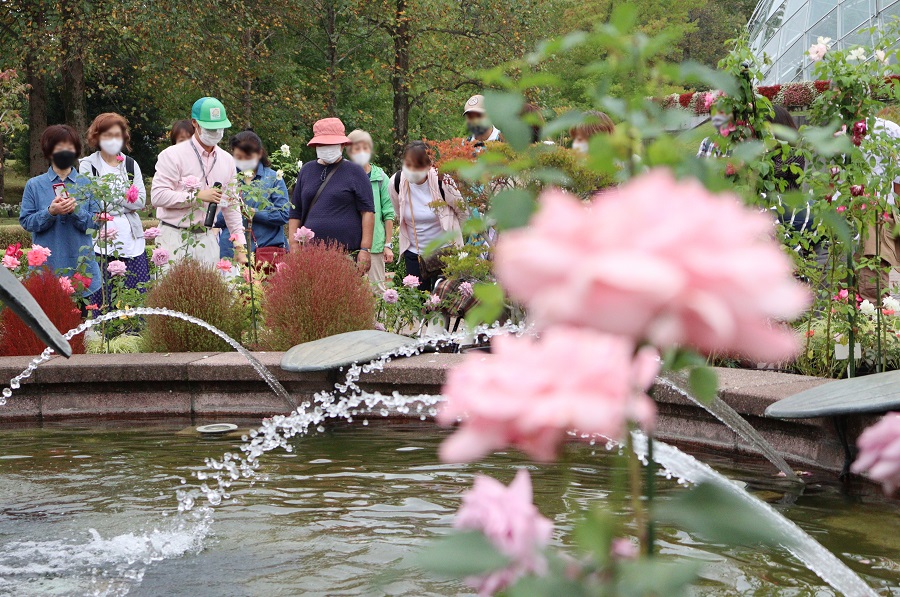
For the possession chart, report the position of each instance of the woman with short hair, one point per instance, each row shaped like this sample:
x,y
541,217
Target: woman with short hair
x,y
360,152
182,130
121,237
426,206
52,215
595,123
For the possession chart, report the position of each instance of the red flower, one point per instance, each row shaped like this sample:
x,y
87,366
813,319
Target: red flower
x,y
15,250
730,170
857,190
810,333
92,307
85,281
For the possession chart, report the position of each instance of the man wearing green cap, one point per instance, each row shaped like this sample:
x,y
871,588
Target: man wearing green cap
x,y
189,177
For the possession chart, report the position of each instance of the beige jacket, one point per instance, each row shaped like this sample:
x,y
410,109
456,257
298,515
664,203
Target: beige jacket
x,y
450,211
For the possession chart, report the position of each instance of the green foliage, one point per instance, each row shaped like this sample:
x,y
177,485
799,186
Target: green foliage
x,y
461,554
10,235
202,292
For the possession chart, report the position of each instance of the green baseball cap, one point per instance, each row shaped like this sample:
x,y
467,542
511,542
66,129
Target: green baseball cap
x,y
210,114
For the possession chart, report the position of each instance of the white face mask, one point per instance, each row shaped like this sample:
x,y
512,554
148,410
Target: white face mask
x,y
111,146
244,165
361,157
211,137
580,146
415,176
328,153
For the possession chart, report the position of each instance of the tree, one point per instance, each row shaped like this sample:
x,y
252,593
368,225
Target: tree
x,y
13,93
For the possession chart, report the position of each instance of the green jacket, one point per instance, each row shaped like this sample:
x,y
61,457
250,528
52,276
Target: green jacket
x,y
384,209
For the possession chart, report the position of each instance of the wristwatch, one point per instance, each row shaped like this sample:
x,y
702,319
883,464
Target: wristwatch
x,y
388,245
366,250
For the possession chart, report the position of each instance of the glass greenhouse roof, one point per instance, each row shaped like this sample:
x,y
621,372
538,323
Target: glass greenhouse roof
x,y
784,30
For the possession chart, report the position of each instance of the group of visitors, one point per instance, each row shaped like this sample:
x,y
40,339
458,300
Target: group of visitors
x,y
341,197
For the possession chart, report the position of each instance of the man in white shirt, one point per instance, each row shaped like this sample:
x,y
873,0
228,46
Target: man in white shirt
x,y
481,130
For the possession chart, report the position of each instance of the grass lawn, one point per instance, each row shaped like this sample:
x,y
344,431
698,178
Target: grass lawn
x,y
14,185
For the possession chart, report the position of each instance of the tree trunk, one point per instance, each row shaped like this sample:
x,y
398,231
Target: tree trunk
x,y
2,168
37,117
74,94
400,80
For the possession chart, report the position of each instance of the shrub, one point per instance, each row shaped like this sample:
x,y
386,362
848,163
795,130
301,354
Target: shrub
x,y
10,235
18,339
317,292
202,292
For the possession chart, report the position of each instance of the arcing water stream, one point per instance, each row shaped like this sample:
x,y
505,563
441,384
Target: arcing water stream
x,y
348,400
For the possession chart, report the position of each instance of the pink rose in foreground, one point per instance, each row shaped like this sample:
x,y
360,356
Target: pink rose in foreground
x,y
727,129
107,232
390,296
466,290
66,284
10,262
509,519
105,217
232,238
411,281
132,194
657,260
224,265
120,158
879,452
304,234
623,548
817,51
160,257
528,393
38,255
433,302
116,268
151,233
191,183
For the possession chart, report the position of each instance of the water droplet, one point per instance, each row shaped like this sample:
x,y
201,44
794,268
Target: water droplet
x,y
14,383
7,392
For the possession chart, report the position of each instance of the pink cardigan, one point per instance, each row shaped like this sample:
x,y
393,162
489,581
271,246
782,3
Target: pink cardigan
x,y
450,212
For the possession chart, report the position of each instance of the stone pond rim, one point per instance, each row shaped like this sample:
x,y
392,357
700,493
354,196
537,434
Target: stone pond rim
x,y
342,350
871,394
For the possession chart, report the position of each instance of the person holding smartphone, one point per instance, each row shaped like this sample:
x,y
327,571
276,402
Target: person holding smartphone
x,y
51,213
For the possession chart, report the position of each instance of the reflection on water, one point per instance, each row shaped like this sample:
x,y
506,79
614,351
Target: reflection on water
x,y
92,511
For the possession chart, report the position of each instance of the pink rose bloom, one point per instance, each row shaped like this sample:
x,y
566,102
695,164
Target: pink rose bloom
x,y
160,257
224,265
104,217
38,255
411,281
10,262
879,452
232,237
434,301
120,158
390,296
132,194
528,393
116,268
151,233
304,234
623,548
107,233
817,51
191,183
841,209
657,260
709,99
509,519
379,326
727,129
466,290
66,284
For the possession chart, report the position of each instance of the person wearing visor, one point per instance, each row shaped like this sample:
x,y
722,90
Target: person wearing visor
x,y
53,216
333,196
189,177
481,130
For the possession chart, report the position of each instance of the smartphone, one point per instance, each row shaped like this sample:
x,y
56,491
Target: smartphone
x,y
59,190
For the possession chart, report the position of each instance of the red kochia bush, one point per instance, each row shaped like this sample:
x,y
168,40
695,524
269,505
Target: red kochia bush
x,y
317,292
17,339
201,291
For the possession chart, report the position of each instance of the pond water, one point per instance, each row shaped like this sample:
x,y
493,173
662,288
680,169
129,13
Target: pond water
x,y
88,509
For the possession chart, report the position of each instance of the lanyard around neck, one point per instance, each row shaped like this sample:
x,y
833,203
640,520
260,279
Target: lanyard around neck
x,y
200,161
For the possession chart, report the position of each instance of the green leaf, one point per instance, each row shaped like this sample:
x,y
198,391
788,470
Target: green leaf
x,y
512,208
836,223
681,358
656,577
719,516
624,16
491,302
460,555
504,110
594,535
704,384
694,72
532,586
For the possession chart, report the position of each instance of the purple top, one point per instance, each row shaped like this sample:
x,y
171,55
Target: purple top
x,y
337,215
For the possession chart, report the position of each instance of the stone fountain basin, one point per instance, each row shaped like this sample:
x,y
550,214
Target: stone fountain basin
x,y
206,387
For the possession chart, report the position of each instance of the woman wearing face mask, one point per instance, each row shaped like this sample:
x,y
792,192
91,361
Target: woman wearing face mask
x,y
426,206
269,216
595,123
181,131
360,152
333,196
124,235
53,217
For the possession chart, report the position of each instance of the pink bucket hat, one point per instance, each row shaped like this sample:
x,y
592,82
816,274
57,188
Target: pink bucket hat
x,y
329,131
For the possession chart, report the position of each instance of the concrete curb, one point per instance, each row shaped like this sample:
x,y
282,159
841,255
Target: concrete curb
x,y
200,386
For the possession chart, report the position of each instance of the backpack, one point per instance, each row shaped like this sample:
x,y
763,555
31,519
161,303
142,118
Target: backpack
x,y
397,184
129,168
